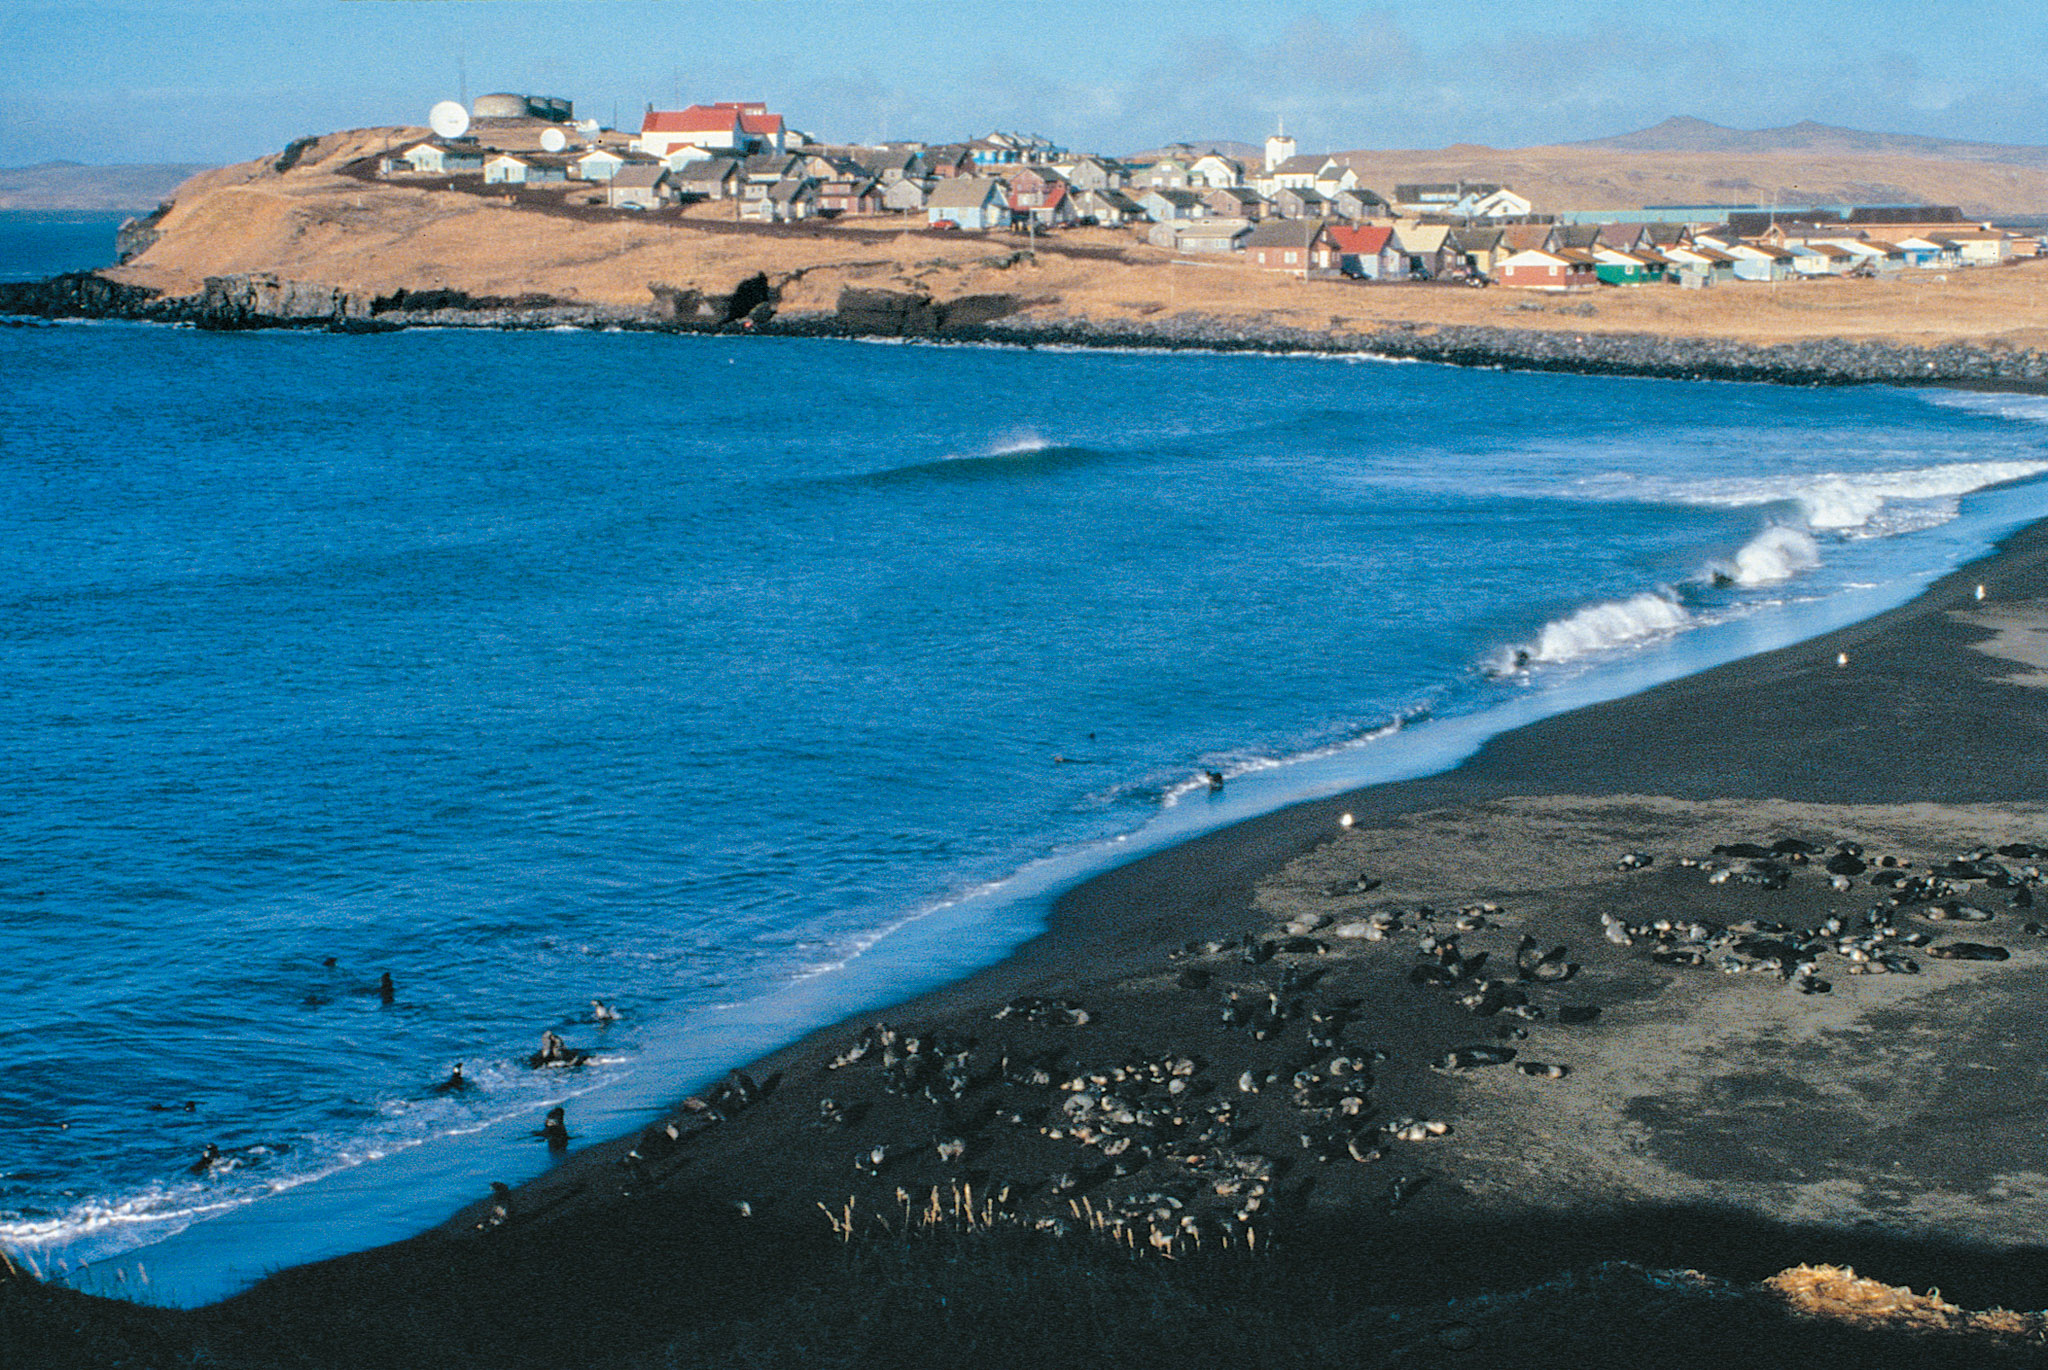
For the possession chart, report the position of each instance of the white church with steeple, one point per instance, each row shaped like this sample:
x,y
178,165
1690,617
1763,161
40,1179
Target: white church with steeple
x,y
1279,147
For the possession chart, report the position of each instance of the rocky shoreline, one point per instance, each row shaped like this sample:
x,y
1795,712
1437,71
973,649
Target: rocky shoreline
x,y
261,301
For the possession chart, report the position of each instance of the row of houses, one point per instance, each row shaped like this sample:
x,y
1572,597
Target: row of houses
x,y
1302,213
1579,255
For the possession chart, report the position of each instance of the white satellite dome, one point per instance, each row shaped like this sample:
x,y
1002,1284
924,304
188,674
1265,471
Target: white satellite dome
x,y
448,119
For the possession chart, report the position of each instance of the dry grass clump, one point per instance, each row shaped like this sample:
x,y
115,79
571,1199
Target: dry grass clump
x,y
1840,1294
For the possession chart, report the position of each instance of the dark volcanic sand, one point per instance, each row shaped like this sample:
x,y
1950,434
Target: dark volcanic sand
x,y
1719,1120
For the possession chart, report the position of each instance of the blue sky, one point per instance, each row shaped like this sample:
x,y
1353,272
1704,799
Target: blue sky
x,y
220,80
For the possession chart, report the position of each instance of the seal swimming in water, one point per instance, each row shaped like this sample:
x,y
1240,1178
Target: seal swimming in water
x,y
386,991
206,1160
455,1083
555,1129
556,1052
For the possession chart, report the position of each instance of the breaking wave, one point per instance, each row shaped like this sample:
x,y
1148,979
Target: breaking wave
x,y
1772,557
1869,504
1597,628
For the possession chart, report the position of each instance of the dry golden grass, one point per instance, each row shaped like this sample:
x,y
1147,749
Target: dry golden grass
x,y
1607,179
315,224
1840,1294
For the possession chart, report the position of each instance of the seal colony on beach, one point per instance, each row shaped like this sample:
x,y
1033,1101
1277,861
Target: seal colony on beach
x,y
1531,1002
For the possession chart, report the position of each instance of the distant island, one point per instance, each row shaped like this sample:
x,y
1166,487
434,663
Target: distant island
x,y
74,185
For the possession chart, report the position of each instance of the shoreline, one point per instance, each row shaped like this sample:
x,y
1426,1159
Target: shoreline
x,y
1922,743
1123,922
246,303
1088,938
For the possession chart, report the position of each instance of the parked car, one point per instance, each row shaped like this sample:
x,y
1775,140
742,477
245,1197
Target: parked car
x,y
945,226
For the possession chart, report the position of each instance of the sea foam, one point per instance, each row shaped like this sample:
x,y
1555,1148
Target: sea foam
x,y
1597,628
1863,504
1770,558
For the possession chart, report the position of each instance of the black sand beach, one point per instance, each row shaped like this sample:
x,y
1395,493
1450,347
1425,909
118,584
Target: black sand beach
x,y
1242,1102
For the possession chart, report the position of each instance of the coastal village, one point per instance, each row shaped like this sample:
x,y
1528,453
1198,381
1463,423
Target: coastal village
x,y
1307,215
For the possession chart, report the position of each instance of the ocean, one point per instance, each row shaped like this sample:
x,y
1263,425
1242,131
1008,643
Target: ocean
x,y
743,684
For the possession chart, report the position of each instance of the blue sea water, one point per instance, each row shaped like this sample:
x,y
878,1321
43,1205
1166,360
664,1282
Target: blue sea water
x,y
744,683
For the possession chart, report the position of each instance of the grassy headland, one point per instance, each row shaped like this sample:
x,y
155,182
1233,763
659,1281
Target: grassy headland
x,y
323,221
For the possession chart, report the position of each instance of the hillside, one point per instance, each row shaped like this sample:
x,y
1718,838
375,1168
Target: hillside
x,y
1692,161
316,222
1681,134
73,185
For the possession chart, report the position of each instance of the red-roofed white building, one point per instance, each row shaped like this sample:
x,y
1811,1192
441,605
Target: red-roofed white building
x,y
737,126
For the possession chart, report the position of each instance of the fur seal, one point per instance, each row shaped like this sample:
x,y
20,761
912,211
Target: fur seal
x,y
1476,1054
206,1161
455,1083
1968,951
555,1129
556,1052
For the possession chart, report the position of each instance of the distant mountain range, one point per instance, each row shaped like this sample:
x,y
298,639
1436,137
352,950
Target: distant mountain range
x,y
73,185
1683,134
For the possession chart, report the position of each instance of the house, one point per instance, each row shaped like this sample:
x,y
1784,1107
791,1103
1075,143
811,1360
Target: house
x,y
1698,264
1236,202
1756,261
1094,173
709,178
1873,256
793,199
1107,206
598,164
1584,237
1536,268
1301,202
1366,253
856,194
526,168
1164,204
1815,259
1356,202
446,157
890,165
906,196
727,125
1422,245
953,159
1475,251
1428,197
639,185
1202,235
1214,171
1308,171
1496,202
1978,247
1924,253
1008,149
1029,186
1054,210
971,202
1618,266
1300,247
1166,173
